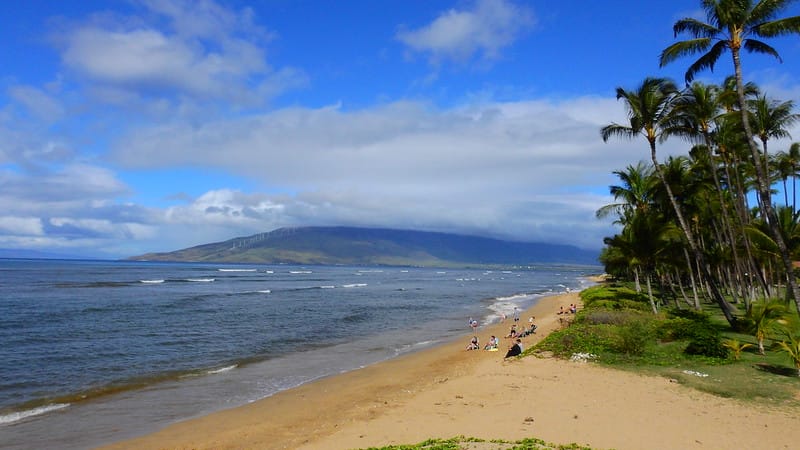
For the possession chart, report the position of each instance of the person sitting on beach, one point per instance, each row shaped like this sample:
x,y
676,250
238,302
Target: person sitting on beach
x,y
473,344
514,350
492,344
561,310
573,308
513,333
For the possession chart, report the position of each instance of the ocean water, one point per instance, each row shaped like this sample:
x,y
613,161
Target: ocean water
x,y
93,352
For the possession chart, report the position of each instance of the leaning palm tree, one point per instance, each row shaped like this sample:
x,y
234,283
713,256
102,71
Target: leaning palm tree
x,y
733,25
650,114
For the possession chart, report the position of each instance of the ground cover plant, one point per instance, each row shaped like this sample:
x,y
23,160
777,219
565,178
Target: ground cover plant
x,y
695,348
470,443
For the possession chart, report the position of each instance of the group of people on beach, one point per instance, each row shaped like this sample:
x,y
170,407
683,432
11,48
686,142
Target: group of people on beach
x,y
573,308
515,347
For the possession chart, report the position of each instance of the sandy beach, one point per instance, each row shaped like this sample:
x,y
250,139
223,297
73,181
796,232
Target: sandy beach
x,y
448,391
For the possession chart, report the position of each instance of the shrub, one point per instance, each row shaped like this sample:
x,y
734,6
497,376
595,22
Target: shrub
x,y
678,328
707,342
634,337
576,339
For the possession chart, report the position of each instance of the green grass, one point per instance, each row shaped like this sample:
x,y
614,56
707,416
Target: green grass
x,y
624,335
470,443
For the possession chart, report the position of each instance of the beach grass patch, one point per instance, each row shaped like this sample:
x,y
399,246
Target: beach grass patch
x,y
471,443
683,345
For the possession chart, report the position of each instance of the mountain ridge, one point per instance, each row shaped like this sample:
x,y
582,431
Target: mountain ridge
x,y
374,246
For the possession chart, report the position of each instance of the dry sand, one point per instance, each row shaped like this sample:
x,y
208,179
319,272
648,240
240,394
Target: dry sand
x,y
447,391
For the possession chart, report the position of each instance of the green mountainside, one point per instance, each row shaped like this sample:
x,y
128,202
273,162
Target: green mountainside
x,y
371,246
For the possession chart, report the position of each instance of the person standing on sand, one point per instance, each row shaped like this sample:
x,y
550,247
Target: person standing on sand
x,y
516,314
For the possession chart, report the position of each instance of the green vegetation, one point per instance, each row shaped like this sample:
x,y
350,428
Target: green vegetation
x,y
691,347
710,284
461,442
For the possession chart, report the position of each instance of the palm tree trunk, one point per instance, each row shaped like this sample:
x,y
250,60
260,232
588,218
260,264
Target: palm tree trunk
x,y
691,278
650,293
727,308
762,183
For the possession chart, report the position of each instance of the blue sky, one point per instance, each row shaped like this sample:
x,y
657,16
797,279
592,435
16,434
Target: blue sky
x,y
135,126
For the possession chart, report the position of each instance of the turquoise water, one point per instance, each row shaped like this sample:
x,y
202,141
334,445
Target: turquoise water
x,y
98,351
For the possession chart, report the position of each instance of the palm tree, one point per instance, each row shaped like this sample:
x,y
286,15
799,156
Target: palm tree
x,y
788,166
701,111
634,194
770,119
642,241
650,114
764,317
734,25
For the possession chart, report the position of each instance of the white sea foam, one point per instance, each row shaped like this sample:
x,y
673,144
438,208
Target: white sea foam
x,y
200,280
299,271
354,285
222,369
151,281
327,287
513,297
236,270
269,271
264,291
17,416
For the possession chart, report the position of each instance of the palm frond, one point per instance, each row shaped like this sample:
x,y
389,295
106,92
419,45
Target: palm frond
x,y
761,240
706,61
782,27
617,130
694,27
754,46
683,48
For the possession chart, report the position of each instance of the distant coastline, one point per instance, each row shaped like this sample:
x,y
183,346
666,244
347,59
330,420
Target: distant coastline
x,y
376,247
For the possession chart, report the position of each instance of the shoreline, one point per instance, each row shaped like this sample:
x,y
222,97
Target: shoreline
x,y
446,391
351,396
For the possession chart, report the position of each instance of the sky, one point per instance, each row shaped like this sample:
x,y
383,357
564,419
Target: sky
x,y
135,126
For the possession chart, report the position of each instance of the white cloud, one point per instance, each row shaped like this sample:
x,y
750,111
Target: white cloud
x,y
460,35
522,170
206,53
21,226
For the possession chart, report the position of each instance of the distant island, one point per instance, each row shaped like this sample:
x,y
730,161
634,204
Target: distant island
x,y
375,246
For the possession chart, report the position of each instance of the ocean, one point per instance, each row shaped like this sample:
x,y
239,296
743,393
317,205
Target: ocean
x,y
93,352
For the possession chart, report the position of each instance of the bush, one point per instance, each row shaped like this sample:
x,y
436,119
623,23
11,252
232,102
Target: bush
x,y
679,328
613,298
704,338
576,339
634,337
707,342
